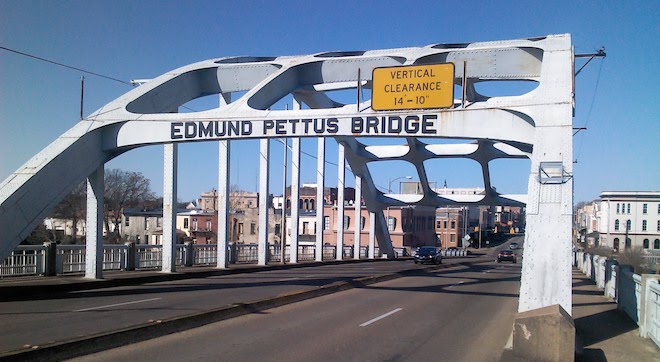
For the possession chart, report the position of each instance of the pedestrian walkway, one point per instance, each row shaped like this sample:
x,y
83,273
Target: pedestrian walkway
x,y
604,333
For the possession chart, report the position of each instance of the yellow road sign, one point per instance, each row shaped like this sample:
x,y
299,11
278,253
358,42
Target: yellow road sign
x,y
413,87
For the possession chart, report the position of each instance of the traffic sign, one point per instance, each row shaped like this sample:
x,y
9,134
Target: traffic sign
x,y
413,87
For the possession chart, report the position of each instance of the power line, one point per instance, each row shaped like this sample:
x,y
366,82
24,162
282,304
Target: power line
x,y
591,106
64,65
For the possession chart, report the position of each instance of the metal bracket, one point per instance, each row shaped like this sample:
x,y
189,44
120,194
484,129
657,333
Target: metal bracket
x,y
553,173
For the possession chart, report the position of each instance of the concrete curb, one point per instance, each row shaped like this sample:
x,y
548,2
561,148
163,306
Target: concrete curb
x,y
118,338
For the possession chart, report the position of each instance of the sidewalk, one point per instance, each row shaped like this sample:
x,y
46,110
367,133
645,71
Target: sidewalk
x,y
603,332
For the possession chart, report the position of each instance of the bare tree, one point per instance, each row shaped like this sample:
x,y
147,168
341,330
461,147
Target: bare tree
x,y
73,207
124,189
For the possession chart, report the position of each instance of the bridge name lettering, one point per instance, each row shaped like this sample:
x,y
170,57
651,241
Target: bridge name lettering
x,y
425,124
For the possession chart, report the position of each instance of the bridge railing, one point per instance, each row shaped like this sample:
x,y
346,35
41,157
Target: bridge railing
x,y
71,259
25,260
638,296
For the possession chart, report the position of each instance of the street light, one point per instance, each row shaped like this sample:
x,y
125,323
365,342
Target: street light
x,y
389,185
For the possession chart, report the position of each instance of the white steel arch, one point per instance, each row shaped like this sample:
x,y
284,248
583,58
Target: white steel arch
x,y
535,125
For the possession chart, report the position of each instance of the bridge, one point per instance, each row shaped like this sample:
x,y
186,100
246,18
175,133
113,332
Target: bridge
x,y
416,94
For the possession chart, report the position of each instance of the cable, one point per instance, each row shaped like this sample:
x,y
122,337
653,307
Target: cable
x,y
66,66
591,106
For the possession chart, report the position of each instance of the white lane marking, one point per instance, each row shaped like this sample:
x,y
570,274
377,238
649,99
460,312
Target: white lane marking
x,y
459,283
288,279
379,318
117,305
309,276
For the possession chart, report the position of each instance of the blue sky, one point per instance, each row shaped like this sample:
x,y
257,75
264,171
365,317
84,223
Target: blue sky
x,y
616,97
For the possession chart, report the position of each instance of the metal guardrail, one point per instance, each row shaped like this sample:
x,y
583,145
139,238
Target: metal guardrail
x,y
71,259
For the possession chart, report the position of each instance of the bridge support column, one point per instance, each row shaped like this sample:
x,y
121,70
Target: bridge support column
x,y
224,153
546,271
320,201
94,224
170,169
295,198
372,235
264,157
341,175
358,217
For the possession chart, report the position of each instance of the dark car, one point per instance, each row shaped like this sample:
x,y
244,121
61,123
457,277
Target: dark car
x,y
506,255
428,254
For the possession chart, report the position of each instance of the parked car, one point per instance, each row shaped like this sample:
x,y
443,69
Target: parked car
x,y
428,254
506,255
513,246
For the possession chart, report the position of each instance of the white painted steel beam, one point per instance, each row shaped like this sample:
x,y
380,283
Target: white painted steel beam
x,y
341,177
94,226
224,157
357,217
170,167
295,199
264,174
320,200
372,235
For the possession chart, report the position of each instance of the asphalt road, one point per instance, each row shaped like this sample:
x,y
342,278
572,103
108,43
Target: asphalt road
x,y
47,319
39,320
457,314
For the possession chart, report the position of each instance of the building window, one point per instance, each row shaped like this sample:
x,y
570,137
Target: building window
x,y
391,223
656,244
315,228
364,223
453,224
628,225
311,204
645,208
627,243
146,223
658,228
126,223
194,223
277,229
185,223
616,225
646,243
253,228
240,228
452,238
159,222
628,209
444,224
326,222
643,225
305,226
347,221
617,207
438,224
208,225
